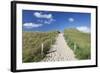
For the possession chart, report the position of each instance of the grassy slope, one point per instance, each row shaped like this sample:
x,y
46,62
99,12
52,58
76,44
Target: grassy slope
x,y
32,45
82,41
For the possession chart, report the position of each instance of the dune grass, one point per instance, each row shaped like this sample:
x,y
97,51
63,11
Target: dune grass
x,y
82,42
32,41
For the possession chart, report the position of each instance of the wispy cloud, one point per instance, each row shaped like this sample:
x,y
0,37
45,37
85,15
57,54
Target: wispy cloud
x,y
83,29
32,25
45,18
41,15
49,21
71,19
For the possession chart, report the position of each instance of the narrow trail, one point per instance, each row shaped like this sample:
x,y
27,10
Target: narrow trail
x,y
60,51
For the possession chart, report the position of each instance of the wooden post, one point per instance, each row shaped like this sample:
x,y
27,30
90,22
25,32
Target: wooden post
x,y
42,49
74,46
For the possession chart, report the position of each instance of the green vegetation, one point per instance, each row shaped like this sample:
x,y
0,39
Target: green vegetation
x,y
82,42
32,41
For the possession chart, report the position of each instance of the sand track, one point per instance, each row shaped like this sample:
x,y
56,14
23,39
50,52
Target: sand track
x,y
60,51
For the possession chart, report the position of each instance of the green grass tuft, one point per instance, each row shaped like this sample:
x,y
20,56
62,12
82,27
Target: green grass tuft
x,y
82,41
32,41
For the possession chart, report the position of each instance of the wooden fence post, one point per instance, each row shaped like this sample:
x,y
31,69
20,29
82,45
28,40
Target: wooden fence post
x,y
74,46
42,45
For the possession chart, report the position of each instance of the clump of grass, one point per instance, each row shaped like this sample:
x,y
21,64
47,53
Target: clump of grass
x,y
82,42
32,41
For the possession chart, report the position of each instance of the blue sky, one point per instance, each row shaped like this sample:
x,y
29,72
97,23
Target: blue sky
x,y
34,20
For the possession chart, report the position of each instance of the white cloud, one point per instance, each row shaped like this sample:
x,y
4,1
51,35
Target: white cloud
x,y
52,20
83,29
41,15
47,22
71,19
47,18
32,25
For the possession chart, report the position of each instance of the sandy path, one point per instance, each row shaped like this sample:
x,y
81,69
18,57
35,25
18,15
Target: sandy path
x,y
60,51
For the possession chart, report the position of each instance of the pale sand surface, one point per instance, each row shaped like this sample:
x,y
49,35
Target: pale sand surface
x,y
60,51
